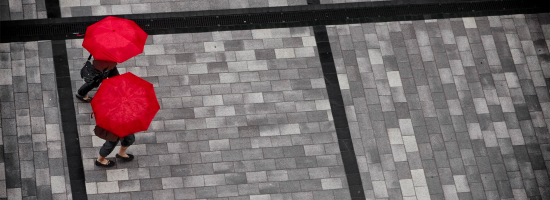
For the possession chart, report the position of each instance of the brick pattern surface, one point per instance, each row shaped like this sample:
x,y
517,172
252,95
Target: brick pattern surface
x,y
75,8
244,115
22,9
448,109
438,109
32,164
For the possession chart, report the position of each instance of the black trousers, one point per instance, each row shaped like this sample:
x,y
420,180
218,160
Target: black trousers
x,y
109,146
87,87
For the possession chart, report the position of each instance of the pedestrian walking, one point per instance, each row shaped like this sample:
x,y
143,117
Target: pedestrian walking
x,y
111,140
93,75
123,105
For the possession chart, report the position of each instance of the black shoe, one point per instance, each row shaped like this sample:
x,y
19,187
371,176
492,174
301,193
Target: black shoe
x,y
129,158
82,98
109,164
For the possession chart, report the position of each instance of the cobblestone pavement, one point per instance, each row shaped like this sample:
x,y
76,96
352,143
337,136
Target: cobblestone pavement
x,y
22,9
243,114
450,108
32,159
438,109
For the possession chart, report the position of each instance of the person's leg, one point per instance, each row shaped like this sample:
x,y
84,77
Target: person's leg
x,y
102,160
122,151
126,142
84,89
105,150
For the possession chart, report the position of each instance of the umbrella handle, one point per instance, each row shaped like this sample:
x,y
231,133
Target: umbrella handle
x,y
89,57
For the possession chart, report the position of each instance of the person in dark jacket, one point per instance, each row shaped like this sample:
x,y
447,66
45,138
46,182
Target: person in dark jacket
x,y
93,75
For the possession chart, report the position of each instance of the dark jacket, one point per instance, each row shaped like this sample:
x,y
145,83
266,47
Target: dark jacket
x,y
94,74
91,75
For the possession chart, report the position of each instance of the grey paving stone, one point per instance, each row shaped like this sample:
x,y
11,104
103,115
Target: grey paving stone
x,y
159,172
19,83
234,155
28,187
211,180
310,185
8,111
445,176
96,176
44,192
7,93
11,144
477,190
306,162
81,11
151,184
434,185
248,189
25,152
25,135
226,191
269,188
488,182
142,195
146,161
180,170
163,194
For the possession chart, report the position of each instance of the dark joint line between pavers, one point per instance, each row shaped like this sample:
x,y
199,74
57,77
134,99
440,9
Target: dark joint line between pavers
x,y
345,143
67,110
68,122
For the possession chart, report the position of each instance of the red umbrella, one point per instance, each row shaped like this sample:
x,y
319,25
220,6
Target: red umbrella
x,y
114,39
125,104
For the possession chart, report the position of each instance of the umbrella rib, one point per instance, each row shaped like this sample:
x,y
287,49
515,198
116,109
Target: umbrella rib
x,y
134,110
121,35
109,54
129,41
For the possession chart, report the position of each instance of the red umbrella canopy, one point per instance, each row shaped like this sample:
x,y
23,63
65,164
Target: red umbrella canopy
x,y
114,39
125,104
